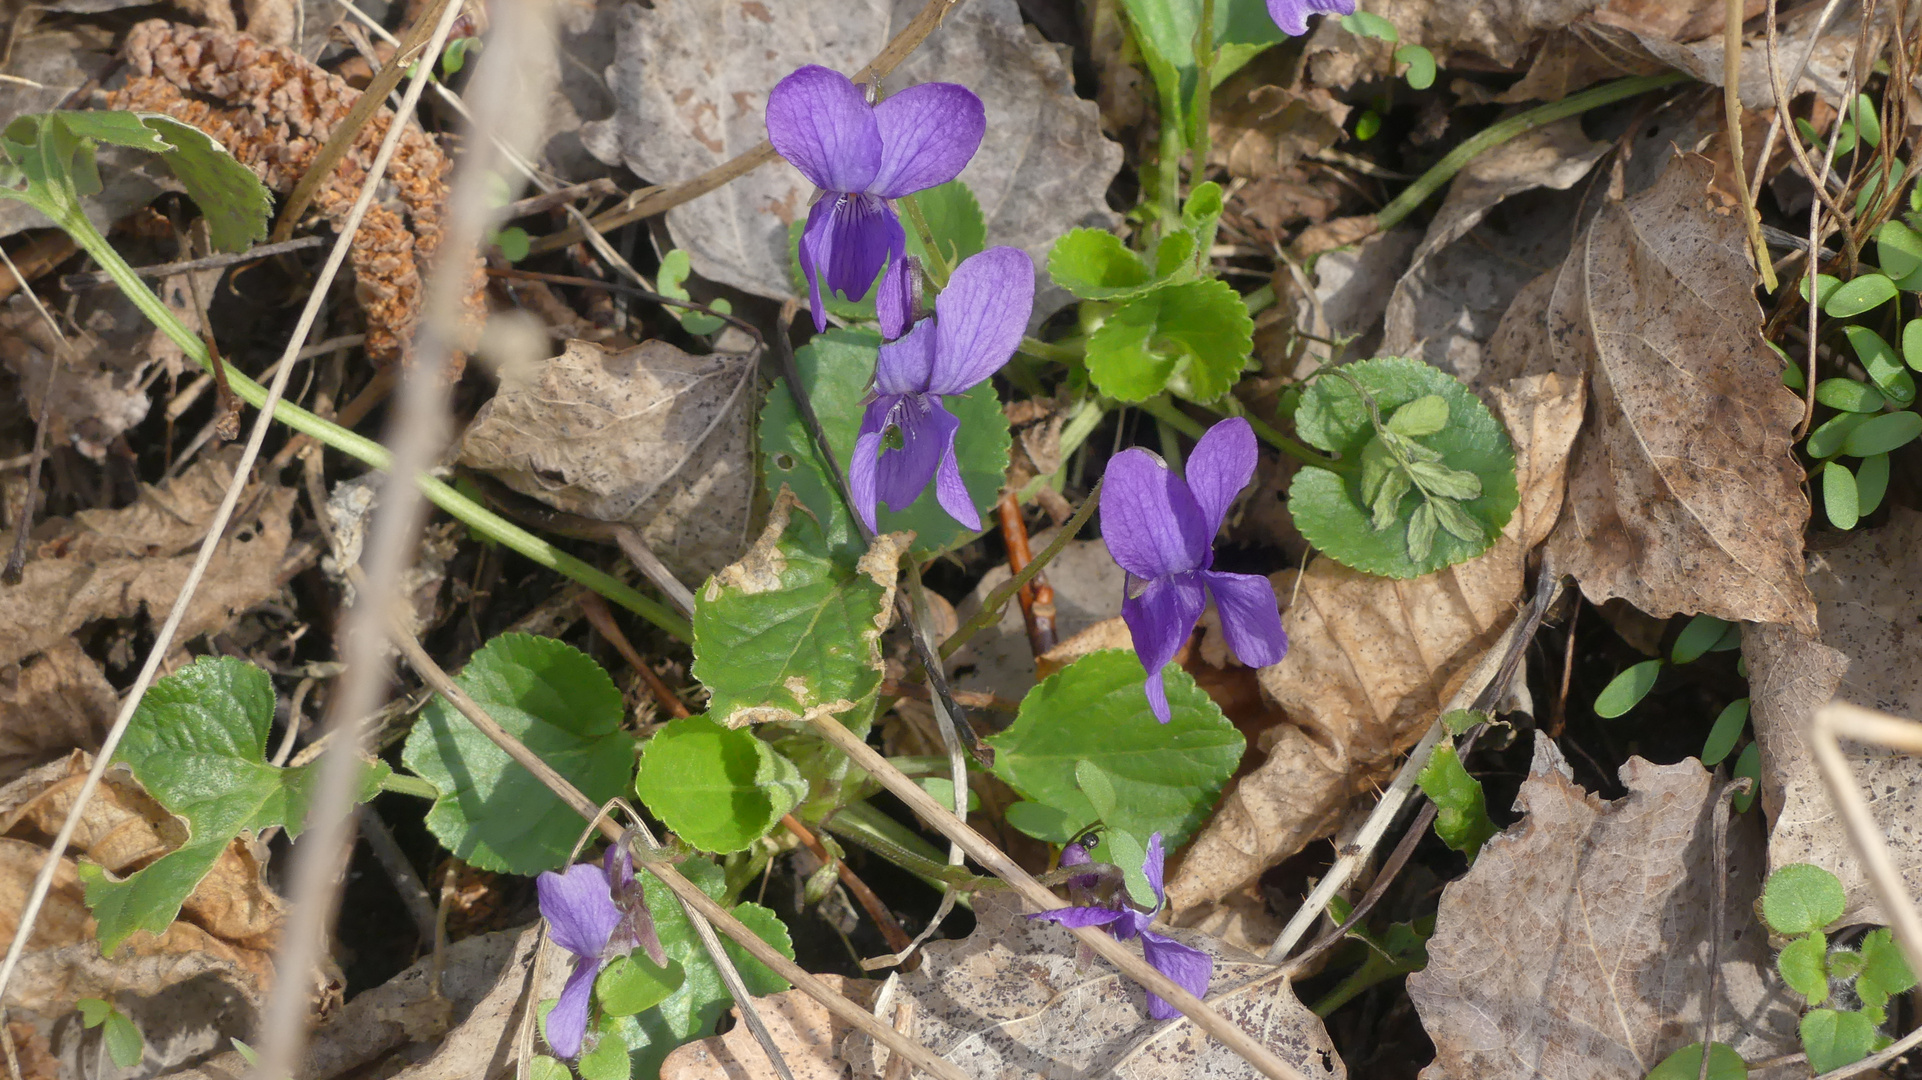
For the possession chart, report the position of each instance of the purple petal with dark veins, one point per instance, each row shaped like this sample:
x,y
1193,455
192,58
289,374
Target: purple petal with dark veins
x,y
1149,519
867,447
579,912
1190,969
949,490
567,1020
1292,15
846,241
1221,465
1160,617
898,296
928,134
981,316
821,123
904,365
1250,618
1151,865
1080,916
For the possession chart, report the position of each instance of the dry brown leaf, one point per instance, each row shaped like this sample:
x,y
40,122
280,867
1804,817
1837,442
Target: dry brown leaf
x,y
99,385
649,435
1683,495
1011,1002
1577,946
1497,31
58,701
808,1036
1870,653
1372,659
1087,589
112,564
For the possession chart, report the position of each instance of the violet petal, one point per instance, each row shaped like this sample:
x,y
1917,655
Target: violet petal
x,y
949,490
1149,519
813,257
867,447
846,251
928,134
1292,15
981,316
895,300
1160,618
821,123
579,912
1152,864
1222,463
1250,618
904,364
1190,969
567,1021
1080,916
927,431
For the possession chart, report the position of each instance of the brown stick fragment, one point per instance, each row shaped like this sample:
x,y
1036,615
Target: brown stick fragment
x,y
884,920
601,618
1037,596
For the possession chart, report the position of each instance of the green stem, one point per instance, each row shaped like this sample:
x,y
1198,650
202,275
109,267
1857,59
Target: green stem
x,y
1168,160
1204,87
938,268
990,612
404,784
1161,408
468,512
1042,350
1260,300
1490,137
867,827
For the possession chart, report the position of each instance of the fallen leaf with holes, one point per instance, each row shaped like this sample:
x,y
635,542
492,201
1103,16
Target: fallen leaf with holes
x,y
691,82
1371,660
114,564
649,436
1869,653
808,1036
58,702
1578,944
1011,1002
1683,495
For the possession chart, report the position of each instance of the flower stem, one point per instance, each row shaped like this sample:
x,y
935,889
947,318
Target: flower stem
x,y
1043,350
1161,408
403,784
938,268
990,612
1205,52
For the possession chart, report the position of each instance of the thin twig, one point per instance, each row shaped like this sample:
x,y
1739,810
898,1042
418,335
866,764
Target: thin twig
x,y
1732,116
1037,596
601,618
631,290
17,552
93,278
413,895
884,919
990,612
651,566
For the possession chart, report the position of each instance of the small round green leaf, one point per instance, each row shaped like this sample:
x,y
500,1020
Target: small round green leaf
x,y
1912,344
1367,124
1625,691
1828,438
608,1060
1191,338
1686,1064
1857,295
1421,66
1833,1039
718,788
1885,369
1803,963
632,983
1839,498
1871,483
1727,728
1094,264
1849,395
1698,637
1883,966
1825,286
1899,247
1883,433
1800,898
542,1067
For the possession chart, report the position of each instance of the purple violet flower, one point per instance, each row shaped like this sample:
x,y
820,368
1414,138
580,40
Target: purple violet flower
x,y
1292,15
1161,528
597,913
907,435
1189,968
860,156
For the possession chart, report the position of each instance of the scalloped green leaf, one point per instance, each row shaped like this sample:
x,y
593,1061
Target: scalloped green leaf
x,y
1803,963
719,788
1328,507
1686,1064
1800,898
1164,777
1192,338
837,368
198,744
1884,970
1094,264
559,703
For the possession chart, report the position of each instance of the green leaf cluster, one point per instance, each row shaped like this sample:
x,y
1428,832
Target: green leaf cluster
x,y
1703,634
1426,475
1400,950
672,281
121,1037
1461,808
1800,901
1166,32
198,744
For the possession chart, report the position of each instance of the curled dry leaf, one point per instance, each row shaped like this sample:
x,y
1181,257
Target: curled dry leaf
x,y
808,1036
59,701
1578,944
1372,659
649,436
1683,495
691,81
112,564
1869,653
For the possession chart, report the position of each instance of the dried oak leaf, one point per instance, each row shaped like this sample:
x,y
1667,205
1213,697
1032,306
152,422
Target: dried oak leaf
x,y
650,436
1869,653
691,81
274,110
1683,495
112,564
1011,1002
808,1036
1578,945
1372,659
57,702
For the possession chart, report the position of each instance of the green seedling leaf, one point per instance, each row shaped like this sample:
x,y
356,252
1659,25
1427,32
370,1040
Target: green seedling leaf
x,y
1365,24
1833,1039
1803,963
454,57
1698,637
1094,264
1868,125
1857,295
1828,438
1165,777
1421,66
559,703
1845,964
1884,367
1748,765
198,744
1912,343
632,984
124,1044
837,367
1459,721
1883,433
608,1060
691,1011
513,242
1722,735
1626,690
1193,338
788,632
1849,395
1044,822
1899,248
1801,898
1367,125
1884,971
672,281
720,789
1871,483
1839,497
1461,809
542,1067
1686,1064
1328,506
93,1011
1425,415
1127,852
1825,286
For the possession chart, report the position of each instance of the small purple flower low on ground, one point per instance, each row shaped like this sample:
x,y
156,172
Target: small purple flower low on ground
x,y
1189,968
1292,15
907,435
860,156
1161,528
596,913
